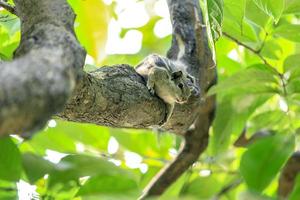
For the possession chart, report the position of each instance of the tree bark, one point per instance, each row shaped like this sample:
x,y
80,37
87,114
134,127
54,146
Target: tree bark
x,y
38,82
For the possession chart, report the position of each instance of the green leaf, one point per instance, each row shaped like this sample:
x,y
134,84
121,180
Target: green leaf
x,y
256,15
270,120
234,10
295,194
204,187
272,50
91,26
119,184
292,7
10,160
215,16
72,167
69,134
231,117
257,78
273,8
50,138
35,167
291,67
288,31
263,160
144,142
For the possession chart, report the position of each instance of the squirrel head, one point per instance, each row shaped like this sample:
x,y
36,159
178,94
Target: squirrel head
x,y
181,87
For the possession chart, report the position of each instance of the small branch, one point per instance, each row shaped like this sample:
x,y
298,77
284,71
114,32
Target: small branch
x,y
255,51
8,7
229,187
39,81
288,175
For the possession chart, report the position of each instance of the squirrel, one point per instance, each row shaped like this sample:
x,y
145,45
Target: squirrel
x,y
168,80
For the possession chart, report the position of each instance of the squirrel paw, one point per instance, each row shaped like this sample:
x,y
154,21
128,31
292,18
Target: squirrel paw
x,y
151,89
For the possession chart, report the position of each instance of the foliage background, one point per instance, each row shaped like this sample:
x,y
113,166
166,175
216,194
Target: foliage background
x,y
257,51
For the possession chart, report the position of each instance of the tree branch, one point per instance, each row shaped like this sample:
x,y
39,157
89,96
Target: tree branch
x,y
288,175
8,7
256,52
42,76
189,34
114,96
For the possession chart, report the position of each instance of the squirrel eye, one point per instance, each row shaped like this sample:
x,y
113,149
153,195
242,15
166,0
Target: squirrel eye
x,y
180,85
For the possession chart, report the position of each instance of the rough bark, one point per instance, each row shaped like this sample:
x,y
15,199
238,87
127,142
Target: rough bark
x,y
39,81
114,96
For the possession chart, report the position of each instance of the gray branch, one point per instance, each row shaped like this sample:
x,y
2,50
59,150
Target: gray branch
x,y
43,74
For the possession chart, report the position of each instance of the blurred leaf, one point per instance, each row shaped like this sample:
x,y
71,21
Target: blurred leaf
x,y
263,160
144,142
256,15
119,184
215,16
288,31
271,49
8,43
91,26
36,167
50,138
291,66
234,10
231,117
65,135
292,6
293,86
234,23
273,8
270,120
264,81
73,167
10,22
204,187
10,160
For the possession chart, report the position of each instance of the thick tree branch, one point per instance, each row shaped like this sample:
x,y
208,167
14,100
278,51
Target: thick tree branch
x,y
114,96
39,81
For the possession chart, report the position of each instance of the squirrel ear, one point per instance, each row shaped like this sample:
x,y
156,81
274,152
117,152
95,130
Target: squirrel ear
x,y
177,74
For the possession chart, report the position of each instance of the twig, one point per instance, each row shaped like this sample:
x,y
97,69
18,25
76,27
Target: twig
x,y
229,187
255,51
8,7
